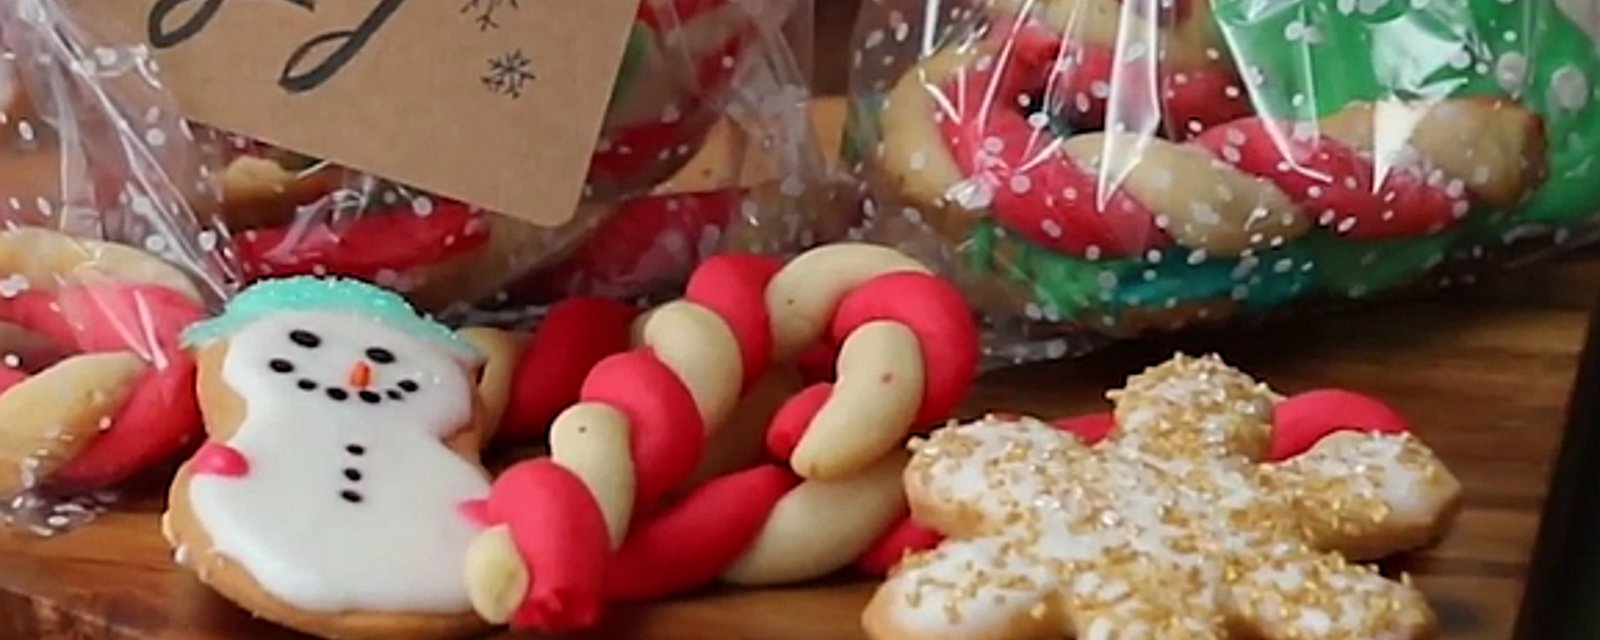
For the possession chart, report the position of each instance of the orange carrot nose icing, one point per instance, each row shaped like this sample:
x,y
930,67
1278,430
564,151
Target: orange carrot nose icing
x,y
361,375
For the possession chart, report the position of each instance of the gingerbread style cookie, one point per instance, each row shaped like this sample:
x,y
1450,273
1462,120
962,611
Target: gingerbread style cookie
x,y
330,496
1172,527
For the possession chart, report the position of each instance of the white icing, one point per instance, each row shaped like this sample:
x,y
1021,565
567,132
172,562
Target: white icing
x,y
402,547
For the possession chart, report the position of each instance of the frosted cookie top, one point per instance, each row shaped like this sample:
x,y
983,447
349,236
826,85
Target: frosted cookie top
x,y
1171,527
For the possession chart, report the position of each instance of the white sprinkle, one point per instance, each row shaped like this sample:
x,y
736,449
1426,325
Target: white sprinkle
x,y
1231,91
155,137
422,206
1346,225
1091,252
1038,121
43,206
155,243
12,360
25,129
104,424
671,113
1569,88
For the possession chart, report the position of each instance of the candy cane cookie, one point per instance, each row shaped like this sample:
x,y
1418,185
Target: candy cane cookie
x,y
643,418
1124,546
95,386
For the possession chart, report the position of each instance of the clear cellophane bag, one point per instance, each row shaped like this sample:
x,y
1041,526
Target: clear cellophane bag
x,y
1091,170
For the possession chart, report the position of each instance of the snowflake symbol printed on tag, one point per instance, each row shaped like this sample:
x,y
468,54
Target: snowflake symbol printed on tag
x,y
509,74
484,11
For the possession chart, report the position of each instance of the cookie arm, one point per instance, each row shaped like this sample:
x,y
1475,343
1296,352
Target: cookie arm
x,y
1304,594
1368,495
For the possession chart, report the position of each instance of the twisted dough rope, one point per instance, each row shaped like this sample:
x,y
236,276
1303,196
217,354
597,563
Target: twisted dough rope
x,y
571,530
95,386
1247,185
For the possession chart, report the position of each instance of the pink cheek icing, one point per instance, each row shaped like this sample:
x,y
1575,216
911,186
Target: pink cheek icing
x,y
217,459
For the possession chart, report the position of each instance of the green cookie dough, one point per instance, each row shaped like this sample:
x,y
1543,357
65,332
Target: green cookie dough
x,y
1356,268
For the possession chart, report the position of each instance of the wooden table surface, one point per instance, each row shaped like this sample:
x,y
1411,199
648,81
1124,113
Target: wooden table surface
x,y
1484,372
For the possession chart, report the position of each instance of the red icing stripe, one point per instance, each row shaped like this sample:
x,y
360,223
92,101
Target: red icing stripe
x,y
889,550
693,542
561,535
365,247
1333,183
942,322
734,286
158,419
666,433
1300,421
575,335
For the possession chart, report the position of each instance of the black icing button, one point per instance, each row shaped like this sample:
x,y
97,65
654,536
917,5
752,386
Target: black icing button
x,y
370,397
355,449
408,386
305,338
350,496
352,475
339,394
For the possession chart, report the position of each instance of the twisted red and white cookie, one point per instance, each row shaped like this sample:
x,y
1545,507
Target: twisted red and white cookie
x,y
631,505
94,386
1174,525
1084,228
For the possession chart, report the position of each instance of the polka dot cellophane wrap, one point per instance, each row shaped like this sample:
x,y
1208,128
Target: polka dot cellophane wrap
x,y
706,146
1092,170
92,145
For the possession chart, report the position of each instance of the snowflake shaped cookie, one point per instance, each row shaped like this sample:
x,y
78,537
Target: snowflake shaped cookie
x,y
1172,527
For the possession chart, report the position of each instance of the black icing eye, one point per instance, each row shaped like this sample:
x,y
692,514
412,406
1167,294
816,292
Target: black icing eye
x,y
281,366
380,355
305,338
369,397
338,394
408,386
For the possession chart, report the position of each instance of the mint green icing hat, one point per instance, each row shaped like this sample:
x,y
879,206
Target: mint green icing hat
x,y
338,295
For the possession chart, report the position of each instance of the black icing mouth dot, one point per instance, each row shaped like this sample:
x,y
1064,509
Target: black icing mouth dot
x,y
281,366
339,394
380,355
395,395
306,385
370,397
305,338
408,386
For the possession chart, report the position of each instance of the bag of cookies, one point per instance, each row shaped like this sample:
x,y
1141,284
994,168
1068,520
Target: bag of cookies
x,y
1093,169
706,146
103,261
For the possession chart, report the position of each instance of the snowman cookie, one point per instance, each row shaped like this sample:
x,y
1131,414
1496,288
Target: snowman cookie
x,y
333,493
